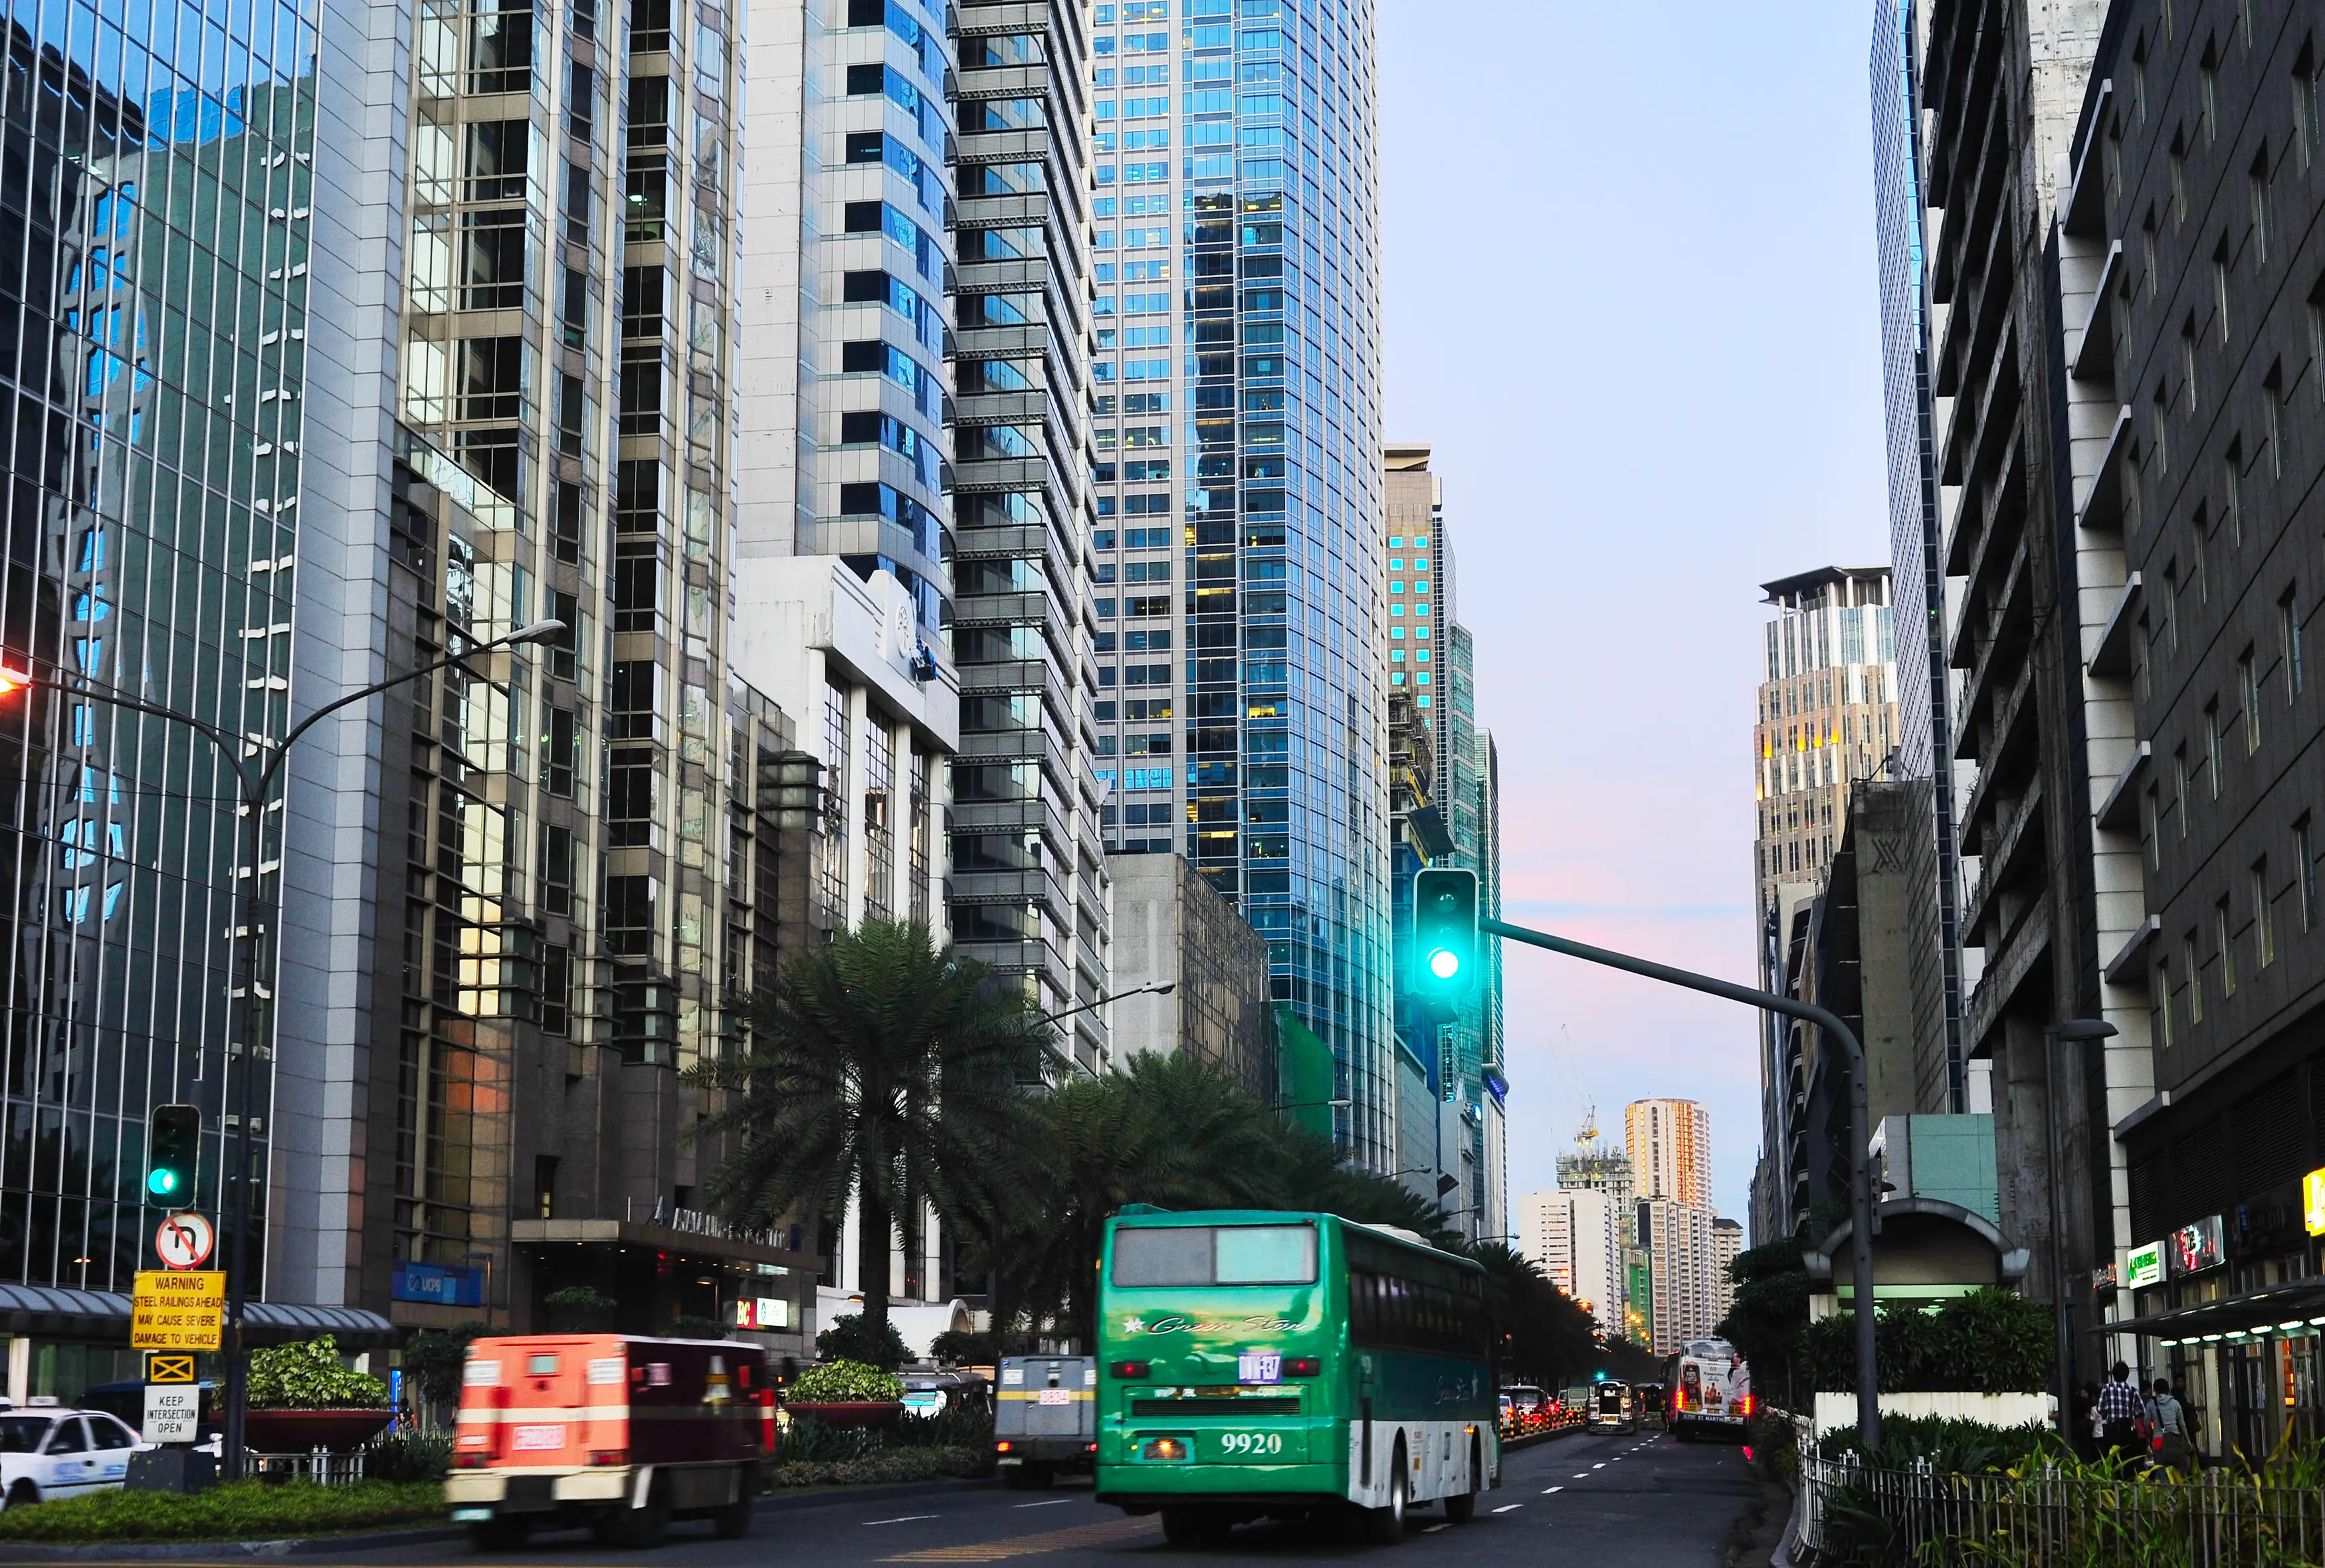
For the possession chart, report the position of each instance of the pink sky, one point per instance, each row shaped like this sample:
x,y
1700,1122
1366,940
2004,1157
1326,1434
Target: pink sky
x,y
1631,301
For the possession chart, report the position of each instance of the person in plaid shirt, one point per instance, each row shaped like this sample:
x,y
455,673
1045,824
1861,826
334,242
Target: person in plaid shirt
x,y
2121,1410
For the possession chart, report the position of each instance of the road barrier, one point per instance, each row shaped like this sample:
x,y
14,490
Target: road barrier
x,y
1542,1421
2219,1518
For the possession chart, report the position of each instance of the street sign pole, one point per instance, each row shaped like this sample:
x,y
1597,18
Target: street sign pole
x,y
1861,1169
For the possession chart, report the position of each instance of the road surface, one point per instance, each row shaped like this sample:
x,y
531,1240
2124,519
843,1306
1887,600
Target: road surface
x,y
1607,1501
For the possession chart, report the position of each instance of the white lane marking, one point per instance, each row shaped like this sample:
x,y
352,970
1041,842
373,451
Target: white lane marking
x,y
1601,1465
1432,1529
1045,1503
1581,1475
1506,1507
901,1520
1550,1490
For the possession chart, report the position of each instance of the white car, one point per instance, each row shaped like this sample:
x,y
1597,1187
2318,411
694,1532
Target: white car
x,y
61,1454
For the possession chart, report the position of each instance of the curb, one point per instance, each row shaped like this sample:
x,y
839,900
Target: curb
x,y
1783,1555
226,1551
780,1502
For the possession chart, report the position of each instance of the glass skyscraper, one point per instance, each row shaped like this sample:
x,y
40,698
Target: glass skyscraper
x,y
1917,575
1241,693
154,204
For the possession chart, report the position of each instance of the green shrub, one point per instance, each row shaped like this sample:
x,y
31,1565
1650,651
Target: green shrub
x,y
887,1465
409,1456
249,1510
846,1340
959,1348
309,1377
1960,1447
1990,1342
845,1380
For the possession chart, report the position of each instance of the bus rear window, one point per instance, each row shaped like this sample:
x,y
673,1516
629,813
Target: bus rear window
x,y
1188,1255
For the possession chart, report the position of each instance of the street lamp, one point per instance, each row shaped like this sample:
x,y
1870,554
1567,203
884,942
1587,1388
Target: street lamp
x,y
1151,988
256,784
2075,1031
1341,1103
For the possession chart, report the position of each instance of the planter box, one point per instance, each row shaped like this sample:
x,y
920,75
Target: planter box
x,y
1835,1411
880,1413
304,1431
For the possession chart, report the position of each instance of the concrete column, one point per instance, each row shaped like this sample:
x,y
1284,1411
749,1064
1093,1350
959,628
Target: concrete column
x,y
851,780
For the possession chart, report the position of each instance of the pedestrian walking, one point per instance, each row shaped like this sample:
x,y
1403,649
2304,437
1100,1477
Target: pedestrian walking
x,y
2173,1450
2118,1413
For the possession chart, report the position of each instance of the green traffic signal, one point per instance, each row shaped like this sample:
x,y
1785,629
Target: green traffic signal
x,y
1445,931
172,1149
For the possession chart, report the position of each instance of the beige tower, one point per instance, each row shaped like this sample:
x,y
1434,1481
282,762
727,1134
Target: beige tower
x,y
1670,1143
1826,716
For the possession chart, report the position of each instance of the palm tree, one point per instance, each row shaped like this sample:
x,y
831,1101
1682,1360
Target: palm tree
x,y
884,1071
1172,1131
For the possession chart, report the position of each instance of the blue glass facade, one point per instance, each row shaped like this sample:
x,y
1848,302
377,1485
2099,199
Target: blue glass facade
x,y
1917,571
1272,721
153,207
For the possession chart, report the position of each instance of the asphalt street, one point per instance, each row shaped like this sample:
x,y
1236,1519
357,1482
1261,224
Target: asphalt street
x,y
1607,1501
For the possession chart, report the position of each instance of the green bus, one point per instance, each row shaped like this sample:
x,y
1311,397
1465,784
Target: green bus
x,y
1255,1364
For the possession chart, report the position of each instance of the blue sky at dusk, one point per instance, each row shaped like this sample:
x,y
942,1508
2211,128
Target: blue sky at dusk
x,y
1631,300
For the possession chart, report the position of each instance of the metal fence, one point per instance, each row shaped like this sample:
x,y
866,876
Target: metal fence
x,y
320,1466
2219,1518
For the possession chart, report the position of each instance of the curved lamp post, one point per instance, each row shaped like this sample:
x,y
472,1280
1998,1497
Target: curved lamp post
x,y
256,784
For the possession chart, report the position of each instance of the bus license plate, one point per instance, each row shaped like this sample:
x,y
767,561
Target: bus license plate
x,y
1246,1447
1259,1368
1057,1396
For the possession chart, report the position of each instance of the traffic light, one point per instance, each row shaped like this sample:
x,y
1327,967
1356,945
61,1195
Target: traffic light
x,y
172,1149
1445,932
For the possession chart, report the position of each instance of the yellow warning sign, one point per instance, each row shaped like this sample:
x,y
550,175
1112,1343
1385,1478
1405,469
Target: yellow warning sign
x,y
164,1367
178,1310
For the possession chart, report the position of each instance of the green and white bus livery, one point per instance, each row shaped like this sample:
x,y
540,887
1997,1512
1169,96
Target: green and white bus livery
x,y
1257,1364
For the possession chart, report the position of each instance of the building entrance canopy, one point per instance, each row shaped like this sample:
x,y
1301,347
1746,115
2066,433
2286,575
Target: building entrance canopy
x,y
2297,1307
103,1314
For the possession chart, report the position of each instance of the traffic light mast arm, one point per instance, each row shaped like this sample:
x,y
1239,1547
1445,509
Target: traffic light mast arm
x,y
1868,1404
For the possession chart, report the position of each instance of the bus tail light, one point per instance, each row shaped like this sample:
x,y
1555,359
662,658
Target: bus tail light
x,y
1744,1405
609,1456
1131,1369
1302,1367
766,1421
1001,1446
1164,1448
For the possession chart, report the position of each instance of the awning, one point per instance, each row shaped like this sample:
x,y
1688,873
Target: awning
x,y
2300,1304
103,1314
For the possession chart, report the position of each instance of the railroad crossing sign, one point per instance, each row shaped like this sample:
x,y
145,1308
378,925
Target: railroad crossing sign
x,y
176,1310
184,1241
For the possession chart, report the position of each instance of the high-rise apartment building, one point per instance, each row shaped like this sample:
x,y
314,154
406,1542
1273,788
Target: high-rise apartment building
x,y
1827,715
1727,1245
1925,760
1668,1145
1237,441
1674,1242
1577,1237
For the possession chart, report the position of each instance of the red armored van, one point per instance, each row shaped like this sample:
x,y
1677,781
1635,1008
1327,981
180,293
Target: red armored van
x,y
618,1432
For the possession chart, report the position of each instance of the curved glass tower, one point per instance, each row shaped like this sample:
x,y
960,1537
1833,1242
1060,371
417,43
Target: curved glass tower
x,y
1248,710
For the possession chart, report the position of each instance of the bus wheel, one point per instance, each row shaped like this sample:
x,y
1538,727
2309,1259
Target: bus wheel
x,y
1462,1506
1386,1527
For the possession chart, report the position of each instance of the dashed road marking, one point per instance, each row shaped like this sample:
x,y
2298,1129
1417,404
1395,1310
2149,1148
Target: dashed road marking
x,y
1432,1529
1601,1465
901,1520
1046,1503
1506,1507
1581,1475
1548,1490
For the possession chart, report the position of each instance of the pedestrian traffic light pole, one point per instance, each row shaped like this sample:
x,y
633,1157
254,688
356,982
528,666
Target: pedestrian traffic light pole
x,y
255,765
1860,1171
